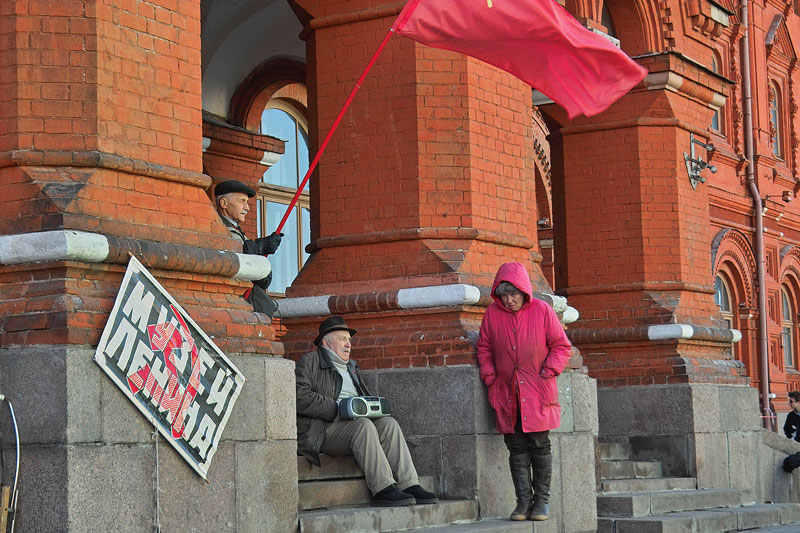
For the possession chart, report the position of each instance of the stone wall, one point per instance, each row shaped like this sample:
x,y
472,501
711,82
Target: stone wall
x,y
451,431
89,460
711,432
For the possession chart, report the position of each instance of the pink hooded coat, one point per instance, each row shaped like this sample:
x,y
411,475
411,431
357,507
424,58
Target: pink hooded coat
x,y
519,355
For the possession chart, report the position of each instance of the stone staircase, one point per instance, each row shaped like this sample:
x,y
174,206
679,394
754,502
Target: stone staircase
x,y
334,498
634,497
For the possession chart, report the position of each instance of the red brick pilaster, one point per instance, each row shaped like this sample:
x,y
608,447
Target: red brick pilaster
x,y
429,179
100,132
236,153
636,240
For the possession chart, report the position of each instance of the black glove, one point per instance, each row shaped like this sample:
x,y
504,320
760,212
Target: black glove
x,y
263,246
267,245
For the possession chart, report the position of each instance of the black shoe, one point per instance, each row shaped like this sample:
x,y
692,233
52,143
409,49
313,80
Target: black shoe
x,y
392,497
421,495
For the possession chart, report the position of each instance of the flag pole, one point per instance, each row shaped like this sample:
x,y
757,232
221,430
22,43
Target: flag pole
x,y
336,122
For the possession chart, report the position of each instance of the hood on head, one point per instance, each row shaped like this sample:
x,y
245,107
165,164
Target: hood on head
x,y
515,274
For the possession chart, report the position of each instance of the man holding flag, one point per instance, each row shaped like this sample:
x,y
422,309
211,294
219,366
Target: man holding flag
x,y
232,198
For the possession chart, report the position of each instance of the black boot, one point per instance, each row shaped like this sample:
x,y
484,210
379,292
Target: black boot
x,y
520,465
542,472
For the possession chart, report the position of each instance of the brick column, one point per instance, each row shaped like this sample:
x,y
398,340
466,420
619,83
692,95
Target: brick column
x,y
426,189
427,182
102,134
236,153
101,157
636,253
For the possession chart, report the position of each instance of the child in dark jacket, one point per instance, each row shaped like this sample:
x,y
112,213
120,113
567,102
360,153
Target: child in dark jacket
x,y
792,426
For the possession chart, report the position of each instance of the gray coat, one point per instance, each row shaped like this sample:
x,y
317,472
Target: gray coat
x,y
318,386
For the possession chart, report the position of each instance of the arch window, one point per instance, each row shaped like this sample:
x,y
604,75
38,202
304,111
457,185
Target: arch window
x,y
717,123
775,121
279,184
722,297
788,329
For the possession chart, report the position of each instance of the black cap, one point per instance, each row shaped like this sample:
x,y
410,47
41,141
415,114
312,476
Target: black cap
x,y
224,187
332,323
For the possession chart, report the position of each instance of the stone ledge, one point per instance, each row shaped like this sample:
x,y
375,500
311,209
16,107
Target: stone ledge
x,y
64,245
656,332
457,294
97,159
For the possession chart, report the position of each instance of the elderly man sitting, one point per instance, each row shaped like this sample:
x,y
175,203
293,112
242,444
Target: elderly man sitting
x,y
326,377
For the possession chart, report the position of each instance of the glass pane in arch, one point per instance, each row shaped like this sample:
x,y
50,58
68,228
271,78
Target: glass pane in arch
x,y
302,157
305,226
786,307
775,120
284,260
715,118
787,328
722,295
278,123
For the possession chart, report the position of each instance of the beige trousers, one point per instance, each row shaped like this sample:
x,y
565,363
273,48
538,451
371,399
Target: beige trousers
x,y
379,448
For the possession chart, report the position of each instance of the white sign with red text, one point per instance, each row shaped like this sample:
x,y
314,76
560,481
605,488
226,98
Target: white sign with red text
x,y
168,367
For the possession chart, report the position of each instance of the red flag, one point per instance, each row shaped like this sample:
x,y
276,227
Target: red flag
x,y
538,41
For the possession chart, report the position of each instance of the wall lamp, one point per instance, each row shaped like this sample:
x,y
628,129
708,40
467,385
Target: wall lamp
x,y
695,165
785,196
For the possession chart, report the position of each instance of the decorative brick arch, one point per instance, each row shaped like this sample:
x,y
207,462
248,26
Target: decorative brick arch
x,y
279,76
732,254
641,25
790,265
790,279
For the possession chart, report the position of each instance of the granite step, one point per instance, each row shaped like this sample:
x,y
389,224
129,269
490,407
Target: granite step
x,y
495,524
638,504
745,518
614,451
387,519
344,467
619,469
330,493
608,486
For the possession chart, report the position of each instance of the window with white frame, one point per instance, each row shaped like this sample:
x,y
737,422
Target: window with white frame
x,y
717,122
279,184
788,328
723,298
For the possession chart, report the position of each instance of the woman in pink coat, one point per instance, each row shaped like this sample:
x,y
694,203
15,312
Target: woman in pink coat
x,y
521,349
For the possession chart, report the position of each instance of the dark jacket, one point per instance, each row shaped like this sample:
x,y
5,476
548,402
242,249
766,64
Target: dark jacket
x,y
792,426
318,386
257,296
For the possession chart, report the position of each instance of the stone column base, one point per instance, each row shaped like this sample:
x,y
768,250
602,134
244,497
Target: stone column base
x,y
451,432
711,432
89,458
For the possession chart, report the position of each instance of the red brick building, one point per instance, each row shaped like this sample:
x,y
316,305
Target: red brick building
x,y
117,117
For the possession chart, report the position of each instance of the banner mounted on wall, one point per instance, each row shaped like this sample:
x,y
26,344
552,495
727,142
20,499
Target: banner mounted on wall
x,y
168,367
